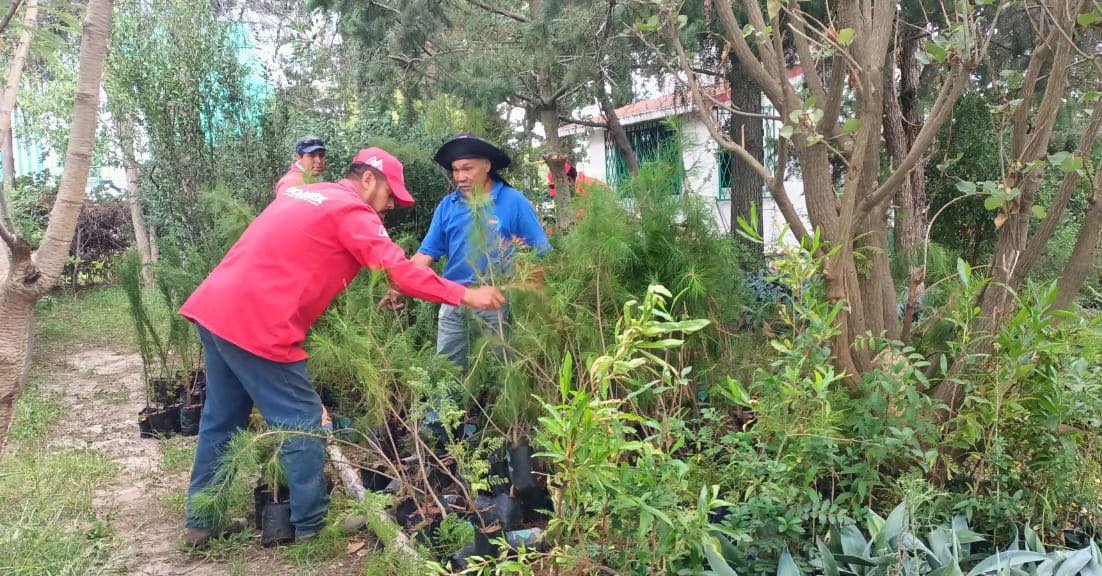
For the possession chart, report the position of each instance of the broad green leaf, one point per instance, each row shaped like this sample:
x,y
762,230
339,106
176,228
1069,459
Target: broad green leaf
x,y
1088,18
845,36
787,567
1038,211
1058,158
1032,541
936,51
964,270
830,566
966,187
893,526
851,125
786,131
853,542
715,559
1071,164
993,202
1002,560
1075,563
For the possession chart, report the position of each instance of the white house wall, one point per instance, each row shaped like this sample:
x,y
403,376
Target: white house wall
x,y
701,162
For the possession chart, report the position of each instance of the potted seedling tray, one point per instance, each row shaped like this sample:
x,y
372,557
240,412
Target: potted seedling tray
x,y
158,422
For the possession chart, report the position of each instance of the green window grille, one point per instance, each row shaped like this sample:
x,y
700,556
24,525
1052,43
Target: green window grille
x,y
652,141
724,157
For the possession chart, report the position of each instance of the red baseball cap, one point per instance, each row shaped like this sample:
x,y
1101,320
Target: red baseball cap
x,y
391,167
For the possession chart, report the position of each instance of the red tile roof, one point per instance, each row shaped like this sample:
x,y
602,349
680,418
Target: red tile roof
x,y
677,102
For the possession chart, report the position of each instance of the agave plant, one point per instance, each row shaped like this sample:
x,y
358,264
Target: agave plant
x,y
890,548
1035,560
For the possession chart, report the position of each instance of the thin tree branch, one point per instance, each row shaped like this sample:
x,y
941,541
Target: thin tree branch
x,y
7,236
391,9
1036,246
803,49
832,108
780,194
939,113
711,99
704,110
1041,54
499,11
770,86
580,122
565,91
10,13
706,72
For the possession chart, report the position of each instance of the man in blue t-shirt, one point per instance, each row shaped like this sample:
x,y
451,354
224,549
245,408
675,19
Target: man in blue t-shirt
x,y
473,252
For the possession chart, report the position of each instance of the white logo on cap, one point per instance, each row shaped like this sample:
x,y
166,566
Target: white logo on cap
x,y
375,161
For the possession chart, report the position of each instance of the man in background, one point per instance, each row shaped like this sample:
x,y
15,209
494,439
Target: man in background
x,y
308,165
509,219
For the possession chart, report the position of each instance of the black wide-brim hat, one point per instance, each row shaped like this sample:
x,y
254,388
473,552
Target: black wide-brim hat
x,y
467,145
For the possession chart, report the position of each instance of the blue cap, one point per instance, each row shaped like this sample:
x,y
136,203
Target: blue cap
x,y
308,144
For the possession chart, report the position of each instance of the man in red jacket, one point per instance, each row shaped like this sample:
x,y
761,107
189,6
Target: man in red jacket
x,y
309,163
254,309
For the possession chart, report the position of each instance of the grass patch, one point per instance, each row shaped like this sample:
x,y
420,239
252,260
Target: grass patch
x,y
35,413
47,523
98,317
176,502
177,454
327,545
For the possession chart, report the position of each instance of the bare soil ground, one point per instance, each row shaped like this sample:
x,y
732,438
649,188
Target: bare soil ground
x,y
100,394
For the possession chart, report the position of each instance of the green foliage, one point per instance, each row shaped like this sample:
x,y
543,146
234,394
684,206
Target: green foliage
x,y
1030,424
452,535
155,361
48,524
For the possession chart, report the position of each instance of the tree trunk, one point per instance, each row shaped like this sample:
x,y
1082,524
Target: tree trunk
x,y
556,157
902,119
11,93
749,132
30,278
125,128
616,129
1085,252
8,164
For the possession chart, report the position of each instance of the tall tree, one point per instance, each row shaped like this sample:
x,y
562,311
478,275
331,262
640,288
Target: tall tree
x,y
843,60
545,57
746,128
31,275
7,104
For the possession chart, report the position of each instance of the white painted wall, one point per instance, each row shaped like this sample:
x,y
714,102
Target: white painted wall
x,y
701,162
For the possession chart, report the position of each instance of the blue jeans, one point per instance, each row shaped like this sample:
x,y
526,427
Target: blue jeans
x,y
453,331
236,380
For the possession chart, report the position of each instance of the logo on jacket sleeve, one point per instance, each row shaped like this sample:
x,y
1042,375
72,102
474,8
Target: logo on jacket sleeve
x,y
315,198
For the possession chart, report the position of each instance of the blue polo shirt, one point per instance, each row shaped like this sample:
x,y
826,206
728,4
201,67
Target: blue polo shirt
x,y
451,231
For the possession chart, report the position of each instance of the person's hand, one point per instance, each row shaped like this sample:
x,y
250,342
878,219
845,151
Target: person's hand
x,y
325,419
392,300
483,297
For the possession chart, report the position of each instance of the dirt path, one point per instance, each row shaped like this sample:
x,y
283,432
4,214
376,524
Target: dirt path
x,y
100,395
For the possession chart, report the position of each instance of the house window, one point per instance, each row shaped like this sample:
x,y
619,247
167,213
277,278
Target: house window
x,y
652,141
725,158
